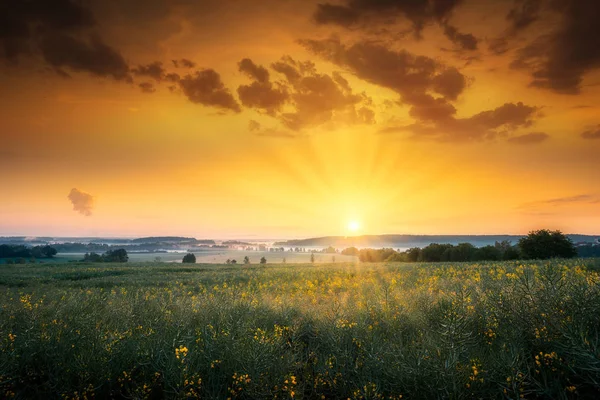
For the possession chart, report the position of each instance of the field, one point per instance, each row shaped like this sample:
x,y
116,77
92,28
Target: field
x,y
323,331
212,256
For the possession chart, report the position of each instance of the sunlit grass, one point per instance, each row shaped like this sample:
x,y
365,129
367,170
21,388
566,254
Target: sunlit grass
x,y
494,330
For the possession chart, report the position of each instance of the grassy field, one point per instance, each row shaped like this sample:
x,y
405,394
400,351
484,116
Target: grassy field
x,y
212,256
360,331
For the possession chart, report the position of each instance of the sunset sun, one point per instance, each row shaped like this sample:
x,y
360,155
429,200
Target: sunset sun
x,y
353,226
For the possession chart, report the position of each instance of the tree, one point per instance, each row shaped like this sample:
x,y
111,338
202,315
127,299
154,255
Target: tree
x,y
284,260
234,261
413,254
228,261
350,251
246,260
312,258
189,258
263,260
118,255
544,244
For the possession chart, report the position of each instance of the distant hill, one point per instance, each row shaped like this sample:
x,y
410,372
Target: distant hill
x,y
397,241
171,239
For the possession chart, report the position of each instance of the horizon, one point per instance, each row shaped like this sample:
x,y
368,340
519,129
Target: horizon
x,y
300,118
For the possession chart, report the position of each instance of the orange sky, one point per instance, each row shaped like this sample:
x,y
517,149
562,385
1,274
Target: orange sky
x,y
481,117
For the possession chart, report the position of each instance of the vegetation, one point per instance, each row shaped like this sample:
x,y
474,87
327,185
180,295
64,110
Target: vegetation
x,y
22,251
538,245
544,244
189,258
361,331
263,260
111,256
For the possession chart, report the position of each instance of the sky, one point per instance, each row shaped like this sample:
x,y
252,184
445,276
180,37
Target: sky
x,y
299,118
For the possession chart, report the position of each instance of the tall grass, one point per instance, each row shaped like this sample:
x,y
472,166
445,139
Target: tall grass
x,y
367,331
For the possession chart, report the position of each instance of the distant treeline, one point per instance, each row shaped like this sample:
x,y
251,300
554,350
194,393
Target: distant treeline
x,y
438,252
20,251
542,244
149,246
117,255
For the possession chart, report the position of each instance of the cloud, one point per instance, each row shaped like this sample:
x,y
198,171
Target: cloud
x,y
82,202
436,121
559,60
593,134
147,87
401,71
85,55
529,138
256,72
366,13
63,32
154,70
261,94
318,98
559,202
523,14
465,41
184,63
428,87
205,87
253,125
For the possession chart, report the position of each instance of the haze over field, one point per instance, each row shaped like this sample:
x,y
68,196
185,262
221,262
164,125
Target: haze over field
x,y
294,119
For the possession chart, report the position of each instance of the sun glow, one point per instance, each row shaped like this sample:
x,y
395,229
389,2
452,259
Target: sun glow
x,y
353,226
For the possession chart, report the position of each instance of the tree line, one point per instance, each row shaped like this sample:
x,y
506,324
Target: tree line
x,y
117,255
541,244
21,251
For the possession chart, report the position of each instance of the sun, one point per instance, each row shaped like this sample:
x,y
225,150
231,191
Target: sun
x,y
353,226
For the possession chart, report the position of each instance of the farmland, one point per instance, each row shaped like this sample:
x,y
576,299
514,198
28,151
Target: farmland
x,y
303,331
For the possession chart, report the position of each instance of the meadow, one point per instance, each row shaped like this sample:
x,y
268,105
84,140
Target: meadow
x,y
502,330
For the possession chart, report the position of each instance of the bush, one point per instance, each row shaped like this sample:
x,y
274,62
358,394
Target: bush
x,y
263,260
189,259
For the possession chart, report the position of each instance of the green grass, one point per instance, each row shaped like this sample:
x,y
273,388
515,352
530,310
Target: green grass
x,y
359,331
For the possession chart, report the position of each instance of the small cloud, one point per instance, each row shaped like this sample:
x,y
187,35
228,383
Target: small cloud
x,y
544,205
147,87
183,63
82,202
253,125
529,138
592,134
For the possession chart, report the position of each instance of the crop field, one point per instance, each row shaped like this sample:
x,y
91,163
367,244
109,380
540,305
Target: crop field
x,y
502,330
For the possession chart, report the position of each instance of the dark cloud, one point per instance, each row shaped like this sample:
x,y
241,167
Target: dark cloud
x,y
593,134
558,61
523,14
184,63
172,77
154,70
428,87
256,72
63,31
401,71
205,87
465,41
318,99
438,122
84,55
147,87
82,202
529,138
261,94
365,13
